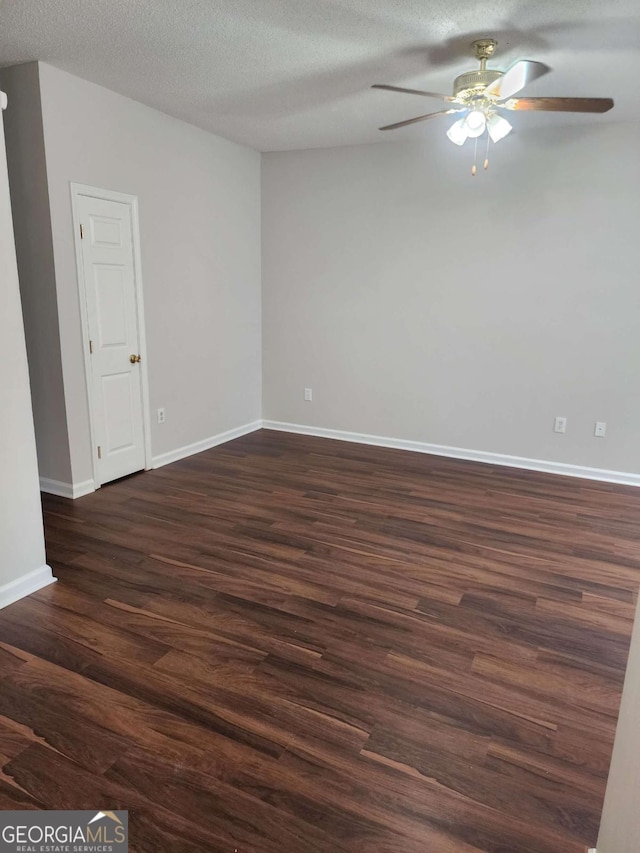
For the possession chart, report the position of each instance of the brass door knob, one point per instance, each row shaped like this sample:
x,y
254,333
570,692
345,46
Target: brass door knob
x,y
134,359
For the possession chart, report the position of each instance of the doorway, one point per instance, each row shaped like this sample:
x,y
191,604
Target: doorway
x,y
110,283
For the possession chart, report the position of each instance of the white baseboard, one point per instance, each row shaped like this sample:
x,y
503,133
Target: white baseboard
x,y
563,468
66,490
31,582
77,490
205,444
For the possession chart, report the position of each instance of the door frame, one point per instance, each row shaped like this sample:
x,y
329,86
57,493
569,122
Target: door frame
x,y
78,190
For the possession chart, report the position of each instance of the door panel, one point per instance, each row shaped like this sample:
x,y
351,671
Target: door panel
x,y
106,231
119,410
111,308
110,290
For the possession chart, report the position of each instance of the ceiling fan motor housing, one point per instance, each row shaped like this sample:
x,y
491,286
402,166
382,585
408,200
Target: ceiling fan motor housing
x,y
474,81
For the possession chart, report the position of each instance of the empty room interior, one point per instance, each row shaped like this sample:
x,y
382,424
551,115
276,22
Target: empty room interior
x,y
320,431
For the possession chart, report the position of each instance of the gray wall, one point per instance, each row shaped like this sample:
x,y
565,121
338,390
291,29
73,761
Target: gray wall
x,y
34,249
199,199
420,303
21,533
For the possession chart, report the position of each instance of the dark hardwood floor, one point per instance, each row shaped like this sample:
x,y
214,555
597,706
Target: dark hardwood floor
x,y
295,644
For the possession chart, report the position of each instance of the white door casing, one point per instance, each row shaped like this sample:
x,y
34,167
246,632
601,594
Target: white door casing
x,y
109,279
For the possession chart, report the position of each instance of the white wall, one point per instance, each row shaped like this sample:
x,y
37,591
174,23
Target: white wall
x,y
22,557
420,303
34,250
199,199
620,827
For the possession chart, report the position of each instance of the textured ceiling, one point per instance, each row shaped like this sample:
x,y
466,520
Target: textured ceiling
x,y
282,74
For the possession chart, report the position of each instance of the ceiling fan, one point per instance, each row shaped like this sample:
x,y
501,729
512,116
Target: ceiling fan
x,y
479,96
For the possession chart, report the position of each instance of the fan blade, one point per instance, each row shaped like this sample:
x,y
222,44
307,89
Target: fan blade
x,y
565,105
421,118
413,92
516,78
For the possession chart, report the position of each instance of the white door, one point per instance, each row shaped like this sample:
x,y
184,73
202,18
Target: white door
x,y
106,248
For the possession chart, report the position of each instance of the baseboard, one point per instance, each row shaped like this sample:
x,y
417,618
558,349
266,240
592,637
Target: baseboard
x,y
69,490
562,468
31,582
205,444
77,490
66,490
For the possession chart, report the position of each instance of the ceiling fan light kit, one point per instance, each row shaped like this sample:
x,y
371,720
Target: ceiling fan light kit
x,y
479,95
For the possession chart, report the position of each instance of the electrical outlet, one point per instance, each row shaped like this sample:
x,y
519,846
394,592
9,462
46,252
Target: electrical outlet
x,y
560,425
161,416
601,429
308,395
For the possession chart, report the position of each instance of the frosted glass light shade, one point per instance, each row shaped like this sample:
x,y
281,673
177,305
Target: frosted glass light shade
x,y
457,132
498,128
475,123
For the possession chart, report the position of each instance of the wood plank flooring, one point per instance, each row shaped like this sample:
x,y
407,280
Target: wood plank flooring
x,y
291,643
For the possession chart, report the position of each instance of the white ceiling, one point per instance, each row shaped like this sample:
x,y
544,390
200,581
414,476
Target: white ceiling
x,y
283,74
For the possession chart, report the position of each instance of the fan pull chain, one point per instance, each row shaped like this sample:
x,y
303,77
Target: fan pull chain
x,y
486,156
475,157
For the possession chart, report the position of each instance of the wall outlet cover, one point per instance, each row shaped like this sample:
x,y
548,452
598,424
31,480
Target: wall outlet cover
x,y
560,425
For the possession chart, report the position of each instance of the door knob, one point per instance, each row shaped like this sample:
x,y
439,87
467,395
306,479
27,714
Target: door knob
x,y
134,359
